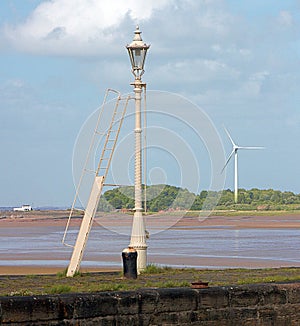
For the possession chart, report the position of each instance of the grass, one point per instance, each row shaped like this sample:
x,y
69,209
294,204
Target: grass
x,y
64,273
153,277
155,269
268,279
59,289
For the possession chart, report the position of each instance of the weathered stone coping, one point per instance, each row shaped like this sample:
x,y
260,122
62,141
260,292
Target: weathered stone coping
x,y
262,304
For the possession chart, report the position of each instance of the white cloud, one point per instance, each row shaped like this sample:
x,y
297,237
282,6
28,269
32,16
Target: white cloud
x,y
201,41
93,27
78,26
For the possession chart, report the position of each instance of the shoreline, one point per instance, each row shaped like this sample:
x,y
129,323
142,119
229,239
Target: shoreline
x,y
176,220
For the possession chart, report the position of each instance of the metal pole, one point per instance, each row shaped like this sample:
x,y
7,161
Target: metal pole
x,y
235,177
138,234
145,152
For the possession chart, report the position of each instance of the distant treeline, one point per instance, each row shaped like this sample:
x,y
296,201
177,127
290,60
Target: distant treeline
x,y
165,197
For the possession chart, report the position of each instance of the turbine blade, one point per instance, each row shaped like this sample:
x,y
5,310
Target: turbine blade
x,y
228,134
250,147
228,160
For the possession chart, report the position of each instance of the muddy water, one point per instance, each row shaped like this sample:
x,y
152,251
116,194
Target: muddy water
x,y
198,247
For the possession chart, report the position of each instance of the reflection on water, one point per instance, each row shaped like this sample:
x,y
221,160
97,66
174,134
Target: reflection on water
x,y
211,248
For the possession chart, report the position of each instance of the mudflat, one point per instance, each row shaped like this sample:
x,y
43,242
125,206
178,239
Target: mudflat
x,y
31,222
237,220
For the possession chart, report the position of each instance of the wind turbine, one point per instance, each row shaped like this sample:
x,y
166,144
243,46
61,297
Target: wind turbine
x,y
234,152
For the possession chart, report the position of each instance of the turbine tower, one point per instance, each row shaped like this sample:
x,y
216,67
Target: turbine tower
x,y
234,152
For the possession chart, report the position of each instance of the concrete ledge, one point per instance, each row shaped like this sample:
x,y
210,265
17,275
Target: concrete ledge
x,y
263,304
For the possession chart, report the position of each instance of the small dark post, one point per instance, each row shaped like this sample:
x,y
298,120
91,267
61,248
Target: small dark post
x,y
129,256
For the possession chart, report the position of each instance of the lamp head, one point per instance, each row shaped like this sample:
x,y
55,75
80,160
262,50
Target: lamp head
x,y
137,51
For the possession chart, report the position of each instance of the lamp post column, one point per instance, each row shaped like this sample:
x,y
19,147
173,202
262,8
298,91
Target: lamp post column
x,y
138,234
137,51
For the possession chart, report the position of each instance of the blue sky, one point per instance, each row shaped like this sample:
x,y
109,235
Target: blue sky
x,y
237,60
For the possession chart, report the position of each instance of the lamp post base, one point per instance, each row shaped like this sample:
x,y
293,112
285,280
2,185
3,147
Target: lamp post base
x,y
141,259
138,240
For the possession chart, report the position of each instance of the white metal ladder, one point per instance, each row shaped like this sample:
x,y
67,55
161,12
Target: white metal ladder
x,y
111,137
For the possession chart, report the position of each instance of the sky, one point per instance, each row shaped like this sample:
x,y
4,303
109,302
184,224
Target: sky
x,y
237,62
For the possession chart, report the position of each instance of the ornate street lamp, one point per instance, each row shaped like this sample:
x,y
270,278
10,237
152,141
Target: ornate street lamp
x,y
137,50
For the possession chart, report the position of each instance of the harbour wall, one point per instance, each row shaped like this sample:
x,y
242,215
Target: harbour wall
x,y
262,304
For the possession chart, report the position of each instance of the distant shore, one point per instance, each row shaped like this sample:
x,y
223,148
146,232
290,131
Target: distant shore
x,y
234,219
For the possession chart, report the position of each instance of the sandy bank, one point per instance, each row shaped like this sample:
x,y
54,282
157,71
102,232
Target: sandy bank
x,y
59,218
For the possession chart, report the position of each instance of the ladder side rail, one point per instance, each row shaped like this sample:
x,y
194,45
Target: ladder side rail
x,y
86,162
108,134
120,123
86,226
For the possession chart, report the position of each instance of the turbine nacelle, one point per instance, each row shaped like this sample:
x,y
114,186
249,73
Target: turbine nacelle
x,y
236,147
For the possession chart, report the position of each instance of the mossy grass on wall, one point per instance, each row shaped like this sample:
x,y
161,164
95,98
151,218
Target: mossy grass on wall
x,y
154,277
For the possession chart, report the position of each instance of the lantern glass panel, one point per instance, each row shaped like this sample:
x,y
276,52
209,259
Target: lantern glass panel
x,y
139,57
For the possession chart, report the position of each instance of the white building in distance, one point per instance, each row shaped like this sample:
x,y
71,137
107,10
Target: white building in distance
x,y
24,208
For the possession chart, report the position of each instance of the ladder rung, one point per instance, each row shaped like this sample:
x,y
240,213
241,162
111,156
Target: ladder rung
x,y
87,170
112,185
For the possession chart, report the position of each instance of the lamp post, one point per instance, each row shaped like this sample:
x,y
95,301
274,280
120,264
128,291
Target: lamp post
x,y
137,51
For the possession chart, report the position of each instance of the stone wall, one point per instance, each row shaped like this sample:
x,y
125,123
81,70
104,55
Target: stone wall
x,y
264,304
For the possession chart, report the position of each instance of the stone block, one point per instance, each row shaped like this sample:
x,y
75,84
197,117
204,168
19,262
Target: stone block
x,y
98,321
243,316
128,303
273,296
267,316
173,318
245,296
128,320
288,314
228,316
187,317
24,309
148,300
95,305
177,299
217,297
66,306
165,318
292,292
211,314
